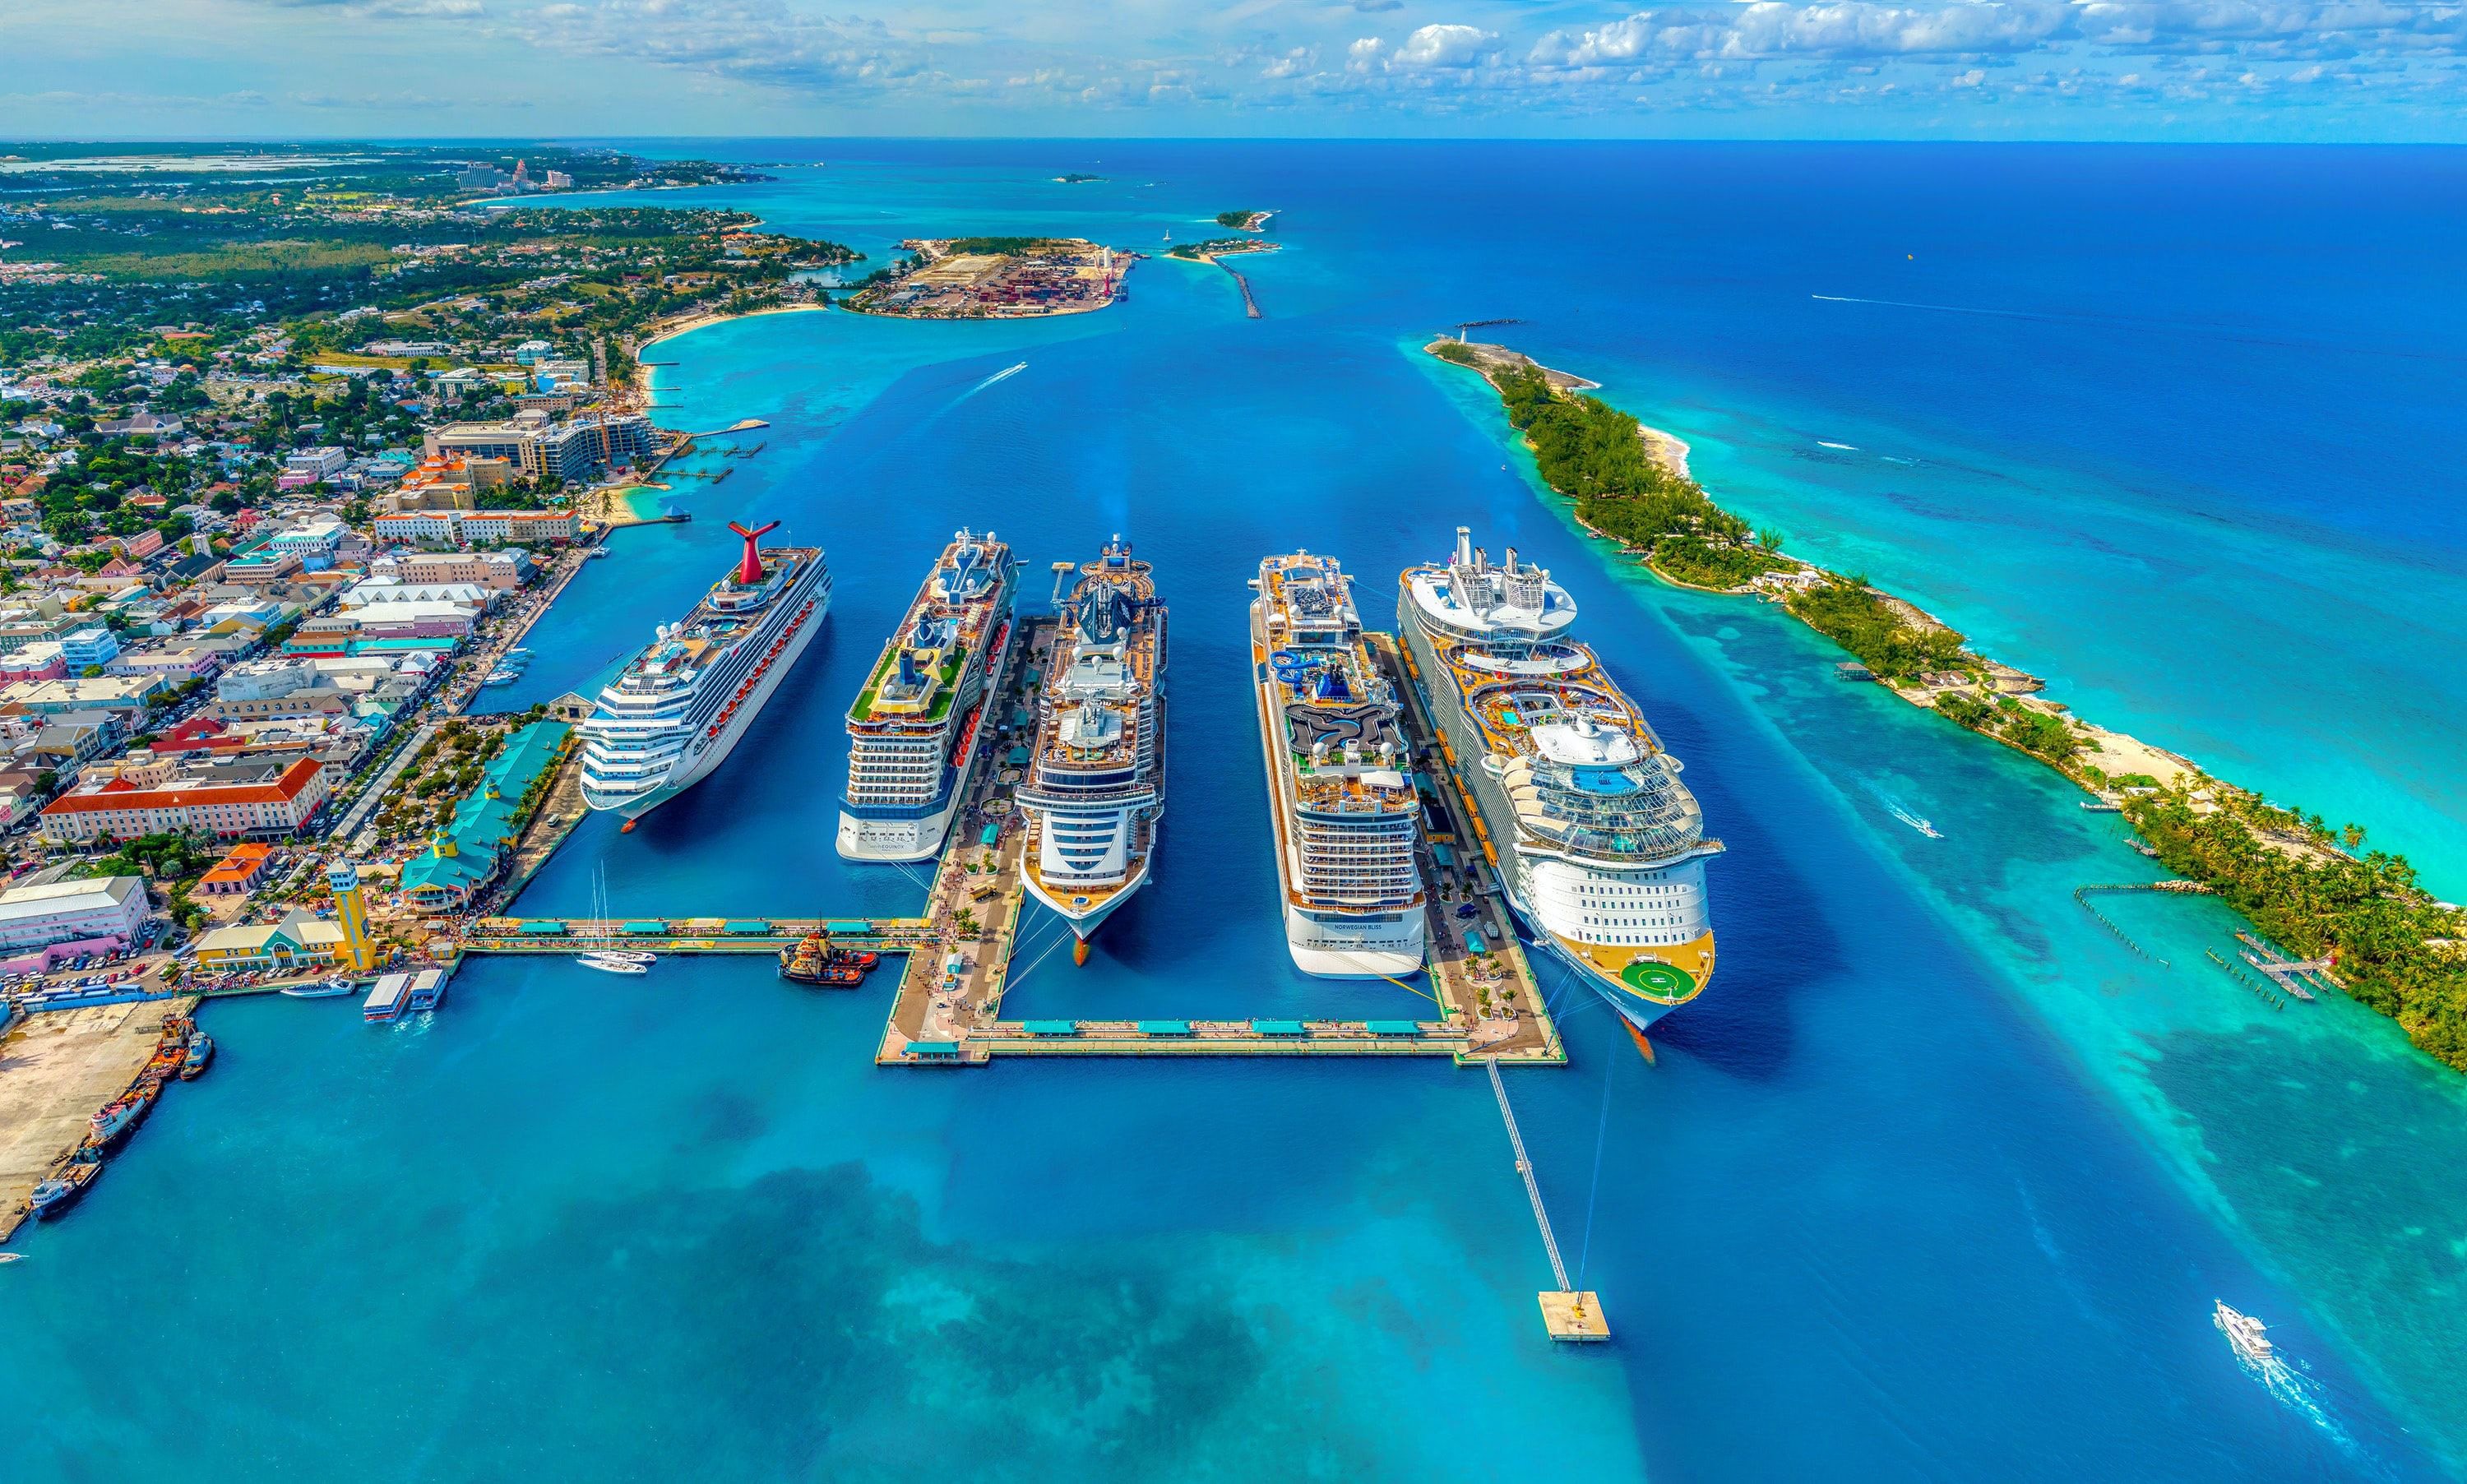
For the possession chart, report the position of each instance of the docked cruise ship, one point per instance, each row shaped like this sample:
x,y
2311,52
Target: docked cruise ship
x,y
1094,790
1597,844
915,728
1340,782
678,708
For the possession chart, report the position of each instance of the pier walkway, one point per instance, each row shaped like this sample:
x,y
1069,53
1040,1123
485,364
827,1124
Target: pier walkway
x,y
963,953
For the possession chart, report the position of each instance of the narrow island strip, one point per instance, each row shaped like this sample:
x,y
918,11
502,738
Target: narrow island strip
x,y
2383,937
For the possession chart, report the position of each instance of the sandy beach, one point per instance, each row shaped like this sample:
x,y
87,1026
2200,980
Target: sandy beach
x,y
692,323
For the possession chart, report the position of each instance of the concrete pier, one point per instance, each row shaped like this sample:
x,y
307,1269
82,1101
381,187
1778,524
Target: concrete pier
x,y
57,1069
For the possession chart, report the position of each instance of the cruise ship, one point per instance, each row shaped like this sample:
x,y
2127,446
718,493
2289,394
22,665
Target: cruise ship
x,y
1094,789
1340,783
678,708
915,728
1597,844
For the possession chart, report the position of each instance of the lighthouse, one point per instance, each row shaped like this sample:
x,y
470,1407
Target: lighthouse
x,y
352,914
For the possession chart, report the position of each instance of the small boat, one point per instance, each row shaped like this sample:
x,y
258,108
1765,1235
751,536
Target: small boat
x,y
598,552
201,1051
120,1118
11,1257
63,1190
610,965
323,989
498,677
2249,1336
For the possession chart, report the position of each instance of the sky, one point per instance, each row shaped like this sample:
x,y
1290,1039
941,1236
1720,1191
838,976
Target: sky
x,y
2172,70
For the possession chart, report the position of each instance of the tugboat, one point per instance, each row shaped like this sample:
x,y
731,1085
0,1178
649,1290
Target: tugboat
x,y
2249,1336
815,961
63,1190
120,1118
201,1051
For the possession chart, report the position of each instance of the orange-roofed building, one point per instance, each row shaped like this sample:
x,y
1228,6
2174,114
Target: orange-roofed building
x,y
239,874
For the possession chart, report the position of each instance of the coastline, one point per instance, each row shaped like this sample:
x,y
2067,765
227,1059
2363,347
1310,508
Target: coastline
x,y
706,319
2203,828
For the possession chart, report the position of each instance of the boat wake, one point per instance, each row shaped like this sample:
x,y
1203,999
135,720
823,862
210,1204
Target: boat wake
x,y
1894,807
1004,374
2298,1392
1850,448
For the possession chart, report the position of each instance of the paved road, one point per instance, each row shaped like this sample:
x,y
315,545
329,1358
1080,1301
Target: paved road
x,y
367,803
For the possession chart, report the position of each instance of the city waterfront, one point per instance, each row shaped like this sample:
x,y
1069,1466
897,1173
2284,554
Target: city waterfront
x,y
1931,1127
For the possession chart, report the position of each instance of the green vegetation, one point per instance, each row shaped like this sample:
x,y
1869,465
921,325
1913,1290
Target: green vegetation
x,y
1856,616
1219,246
1008,247
1595,454
1239,220
161,857
2369,914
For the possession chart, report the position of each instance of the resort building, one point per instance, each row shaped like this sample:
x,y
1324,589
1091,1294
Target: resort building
x,y
475,528
241,799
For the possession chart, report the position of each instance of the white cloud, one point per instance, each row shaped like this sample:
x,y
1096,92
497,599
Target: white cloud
x,y
1446,46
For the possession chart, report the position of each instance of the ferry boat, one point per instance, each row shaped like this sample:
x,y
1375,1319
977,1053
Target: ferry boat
x,y
915,730
1578,808
2249,1336
54,1196
1095,790
1347,817
680,706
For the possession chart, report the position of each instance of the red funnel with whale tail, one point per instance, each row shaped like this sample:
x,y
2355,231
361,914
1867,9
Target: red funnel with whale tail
x,y
749,570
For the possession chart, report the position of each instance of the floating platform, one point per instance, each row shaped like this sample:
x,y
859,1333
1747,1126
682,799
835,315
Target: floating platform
x,y
1574,1316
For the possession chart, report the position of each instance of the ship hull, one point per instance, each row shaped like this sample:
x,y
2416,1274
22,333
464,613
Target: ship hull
x,y
1085,920
1549,906
894,840
1332,946
634,806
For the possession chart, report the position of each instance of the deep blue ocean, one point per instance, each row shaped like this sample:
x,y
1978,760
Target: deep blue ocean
x,y
1940,1181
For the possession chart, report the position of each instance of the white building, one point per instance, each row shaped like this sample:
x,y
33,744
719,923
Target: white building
x,y
69,911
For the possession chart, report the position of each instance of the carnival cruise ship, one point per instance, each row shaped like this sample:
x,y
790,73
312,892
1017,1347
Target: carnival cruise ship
x,y
678,708
1094,790
1339,784
1597,844
914,730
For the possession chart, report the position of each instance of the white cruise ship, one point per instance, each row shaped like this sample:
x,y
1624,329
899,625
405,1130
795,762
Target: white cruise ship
x,y
1094,790
1597,844
678,708
1340,783
915,730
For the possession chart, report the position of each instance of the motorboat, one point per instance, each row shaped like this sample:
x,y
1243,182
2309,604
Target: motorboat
x,y
323,989
2249,1336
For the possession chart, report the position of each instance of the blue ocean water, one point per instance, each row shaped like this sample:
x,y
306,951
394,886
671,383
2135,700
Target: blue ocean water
x,y
1939,1179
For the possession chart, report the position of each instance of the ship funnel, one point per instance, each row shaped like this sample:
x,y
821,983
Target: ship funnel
x,y
749,568
1465,546
1512,561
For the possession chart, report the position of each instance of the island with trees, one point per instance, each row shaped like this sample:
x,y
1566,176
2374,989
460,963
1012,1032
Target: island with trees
x,y
2389,943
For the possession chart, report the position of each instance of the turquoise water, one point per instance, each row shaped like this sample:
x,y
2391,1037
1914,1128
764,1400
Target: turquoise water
x,y
1938,1180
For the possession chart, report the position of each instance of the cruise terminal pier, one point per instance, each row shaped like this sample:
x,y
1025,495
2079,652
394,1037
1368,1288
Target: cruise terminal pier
x,y
1482,1005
